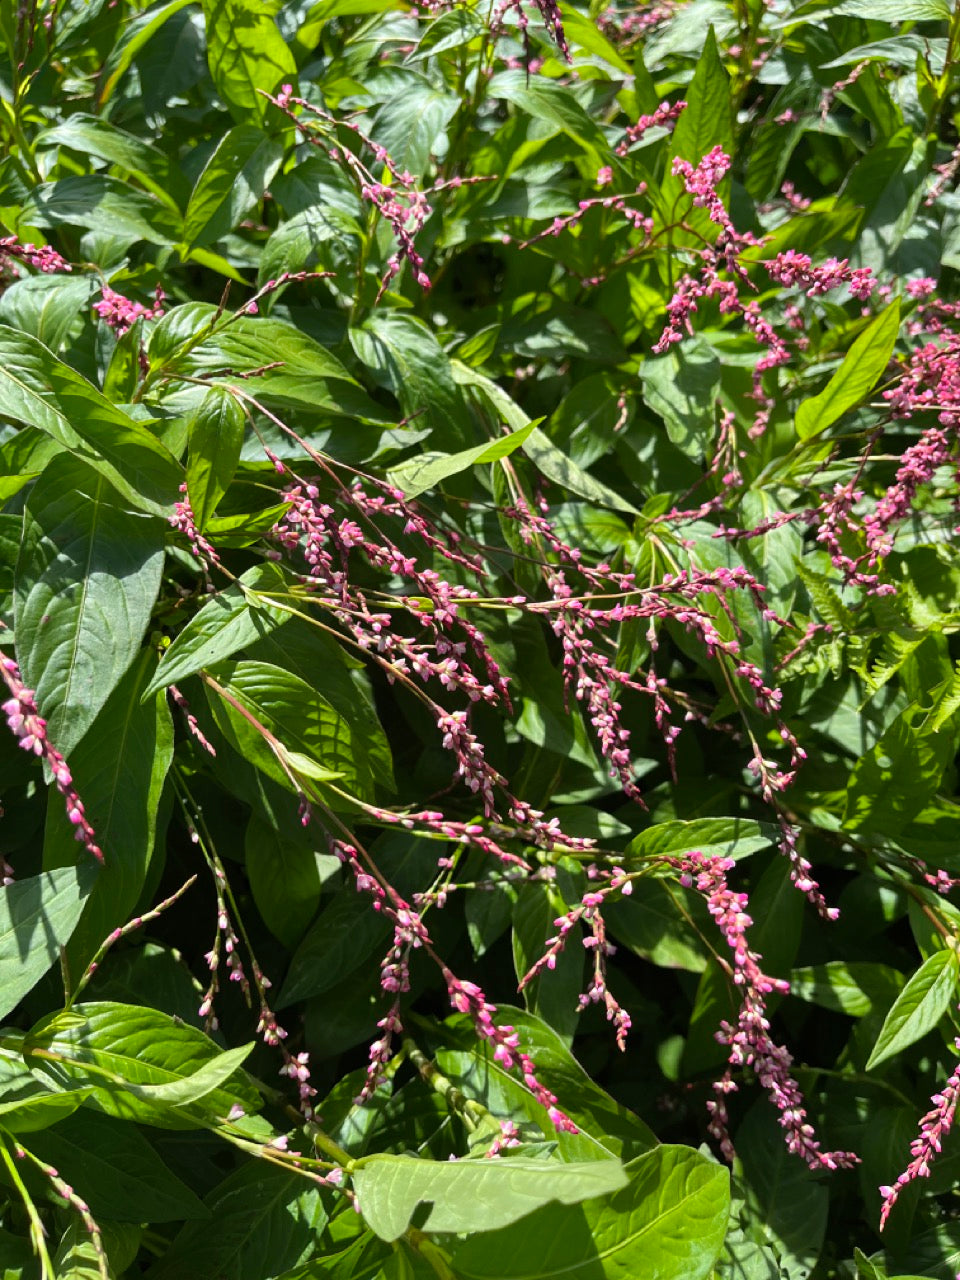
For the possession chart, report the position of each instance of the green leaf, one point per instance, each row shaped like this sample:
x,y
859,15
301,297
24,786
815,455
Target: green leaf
x,y
92,135
726,837
109,1046
893,781
137,33
119,768
102,205
265,1221
405,357
37,917
550,104
412,120
230,620
247,56
668,1222
472,1195
553,996
299,717
451,30
121,1174
605,1127
215,441
45,307
420,474
309,377
285,880
211,1075
556,466
42,391
682,387
27,1106
919,1006
707,121
863,364
86,581
231,183
855,987
784,1198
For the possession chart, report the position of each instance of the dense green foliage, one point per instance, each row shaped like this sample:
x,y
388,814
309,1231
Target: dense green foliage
x,y
479,497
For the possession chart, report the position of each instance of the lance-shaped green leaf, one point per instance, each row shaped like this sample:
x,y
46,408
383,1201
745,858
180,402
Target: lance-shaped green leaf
x,y
215,441
233,180
919,1007
87,578
231,620
472,1195
137,32
119,768
42,391
859,370
116,1049
300,720
727,837
420,474
122,1176
668,1222
213,1074
37,916
247,55
262,1221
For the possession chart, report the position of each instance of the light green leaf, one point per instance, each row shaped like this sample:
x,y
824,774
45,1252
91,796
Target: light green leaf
x,y
550,103
46,307
210,1076
215,440
682,387
299,717
556,466
707,121
247,56
37,917
229,621
420,474
42,391
668,1222
919,1006
232,182
412,120
86,581
893,781
110,1046
726,837
863,364
472,1195
451,30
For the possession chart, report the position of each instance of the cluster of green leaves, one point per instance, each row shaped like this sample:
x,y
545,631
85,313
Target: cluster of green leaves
x,y
146,144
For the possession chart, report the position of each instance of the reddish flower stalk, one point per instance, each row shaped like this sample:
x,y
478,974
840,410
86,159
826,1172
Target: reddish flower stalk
x,y
26,723
934,1127
749,1041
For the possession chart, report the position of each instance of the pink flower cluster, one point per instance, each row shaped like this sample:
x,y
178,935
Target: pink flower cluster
x,y
42,257
749,1042
121,313
468,998
665,115
26,723
934,1127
